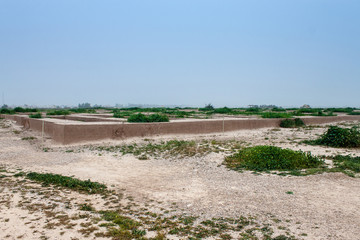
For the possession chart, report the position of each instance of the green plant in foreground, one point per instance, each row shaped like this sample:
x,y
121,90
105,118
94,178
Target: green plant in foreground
x,y
265,158
68,182
338,137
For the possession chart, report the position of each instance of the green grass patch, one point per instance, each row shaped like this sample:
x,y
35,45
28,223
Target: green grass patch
x,y
338,137
68,182
266,158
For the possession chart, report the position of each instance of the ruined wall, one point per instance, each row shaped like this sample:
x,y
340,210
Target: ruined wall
x,y
78,132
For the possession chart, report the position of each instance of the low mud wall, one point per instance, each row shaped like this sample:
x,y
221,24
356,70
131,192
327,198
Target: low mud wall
x,y
87,118
67,133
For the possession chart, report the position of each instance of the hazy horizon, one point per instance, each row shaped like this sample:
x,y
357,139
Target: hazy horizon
x,y
189,53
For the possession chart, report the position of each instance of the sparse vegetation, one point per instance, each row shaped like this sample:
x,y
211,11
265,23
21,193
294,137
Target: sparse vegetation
x,y
347,163
172,148
118,221
28,138
68,182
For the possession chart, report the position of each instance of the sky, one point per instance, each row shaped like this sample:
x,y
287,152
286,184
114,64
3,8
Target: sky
x,y
180,52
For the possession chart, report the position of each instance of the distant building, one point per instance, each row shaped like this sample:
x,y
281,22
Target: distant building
x,y
305,106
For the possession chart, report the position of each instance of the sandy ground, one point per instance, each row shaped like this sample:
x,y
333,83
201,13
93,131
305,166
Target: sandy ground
x,y
324,206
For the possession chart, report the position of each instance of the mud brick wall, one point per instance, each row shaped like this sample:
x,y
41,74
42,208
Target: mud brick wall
x,y
80,132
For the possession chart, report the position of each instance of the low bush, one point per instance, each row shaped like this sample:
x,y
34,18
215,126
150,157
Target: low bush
x,y
82,110
148,118
138,118
68,182
6,111
345,110
353,113
122,114
157,118
287,123
338,137
264,158
58,112
291,123
20,109
322,114
223,110
253,109
299,122
277,109
275,115
36,115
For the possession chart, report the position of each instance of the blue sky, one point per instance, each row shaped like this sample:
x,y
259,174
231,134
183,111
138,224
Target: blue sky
x,y
190,52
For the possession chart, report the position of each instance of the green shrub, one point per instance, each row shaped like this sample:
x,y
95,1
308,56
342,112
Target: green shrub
x,y
149,118
353,113
58,112
138,118
36,115
157,118
290,123
322,114
339,137
287,123
345,110
7,111
68,182
209,107
223,110
253,109
20,109
275,115
122,114
264,158
276,109
82,110
299,122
